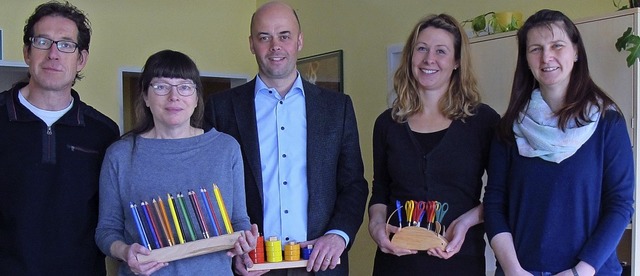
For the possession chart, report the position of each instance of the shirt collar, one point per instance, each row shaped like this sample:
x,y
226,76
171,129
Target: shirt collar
x,y
297,87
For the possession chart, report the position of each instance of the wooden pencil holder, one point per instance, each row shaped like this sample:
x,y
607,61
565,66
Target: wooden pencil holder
x,y
415,237
191,249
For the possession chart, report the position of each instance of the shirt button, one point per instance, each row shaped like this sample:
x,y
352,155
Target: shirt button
x,y
286,211
286,238
284,183
270,92
284,156
280,102
281,128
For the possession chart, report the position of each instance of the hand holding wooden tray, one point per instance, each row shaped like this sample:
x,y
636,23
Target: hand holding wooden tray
x,y
414,237
191,249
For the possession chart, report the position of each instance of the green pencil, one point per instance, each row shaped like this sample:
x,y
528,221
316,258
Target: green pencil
x,y
186,216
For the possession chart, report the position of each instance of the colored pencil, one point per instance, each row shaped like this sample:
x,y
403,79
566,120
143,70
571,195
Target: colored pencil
x,y
223,209
154,222
158,217
165,221
176,220
183,209
207,205
147,216
136,218
199,216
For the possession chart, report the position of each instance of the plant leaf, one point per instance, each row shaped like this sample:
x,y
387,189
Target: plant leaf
x,y
631,43
621,43
479,23
634,53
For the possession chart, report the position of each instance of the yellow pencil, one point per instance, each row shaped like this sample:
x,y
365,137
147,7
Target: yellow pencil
x,y
223,210
175,218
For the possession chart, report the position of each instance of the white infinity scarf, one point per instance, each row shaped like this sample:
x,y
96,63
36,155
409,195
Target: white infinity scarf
x,y
537,133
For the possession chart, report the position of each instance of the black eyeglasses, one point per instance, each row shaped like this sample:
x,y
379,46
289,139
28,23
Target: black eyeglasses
x,y
44,43
184,89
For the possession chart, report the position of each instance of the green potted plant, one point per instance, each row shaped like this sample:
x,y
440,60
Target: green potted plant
x,y
494,22
628,41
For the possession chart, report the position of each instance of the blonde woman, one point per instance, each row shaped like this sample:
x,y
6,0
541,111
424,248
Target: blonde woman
x,y
433,145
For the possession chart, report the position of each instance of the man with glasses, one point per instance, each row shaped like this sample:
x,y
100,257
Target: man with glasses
x,y
51,150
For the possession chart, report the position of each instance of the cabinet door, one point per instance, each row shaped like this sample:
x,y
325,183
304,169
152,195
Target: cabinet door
x,y
608,67
494,61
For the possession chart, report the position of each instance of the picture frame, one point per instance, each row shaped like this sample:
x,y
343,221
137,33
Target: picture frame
x,y
1,44
324,70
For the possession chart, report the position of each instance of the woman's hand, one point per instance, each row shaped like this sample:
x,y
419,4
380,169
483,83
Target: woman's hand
x,y
377,230
245,243
128,254
457,232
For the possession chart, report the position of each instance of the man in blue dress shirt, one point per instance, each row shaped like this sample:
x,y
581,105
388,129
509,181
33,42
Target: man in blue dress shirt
x,y
303,167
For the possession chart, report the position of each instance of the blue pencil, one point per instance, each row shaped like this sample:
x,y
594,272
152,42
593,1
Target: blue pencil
x,y
136,218
151,228
203,193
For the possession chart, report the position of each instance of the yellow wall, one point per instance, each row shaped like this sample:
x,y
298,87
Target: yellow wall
x,y
214,34
125,33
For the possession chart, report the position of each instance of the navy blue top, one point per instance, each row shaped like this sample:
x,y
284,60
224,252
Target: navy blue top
x,y
560,214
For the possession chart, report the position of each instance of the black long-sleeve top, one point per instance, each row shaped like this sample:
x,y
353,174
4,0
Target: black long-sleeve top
x,y
451,172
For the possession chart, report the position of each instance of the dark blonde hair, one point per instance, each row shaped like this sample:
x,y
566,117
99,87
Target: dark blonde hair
x,y
461,97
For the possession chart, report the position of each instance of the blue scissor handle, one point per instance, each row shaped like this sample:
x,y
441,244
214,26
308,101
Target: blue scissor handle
x,y
398,207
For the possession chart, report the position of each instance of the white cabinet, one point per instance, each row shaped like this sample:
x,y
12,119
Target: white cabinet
x,y
494,60
11,72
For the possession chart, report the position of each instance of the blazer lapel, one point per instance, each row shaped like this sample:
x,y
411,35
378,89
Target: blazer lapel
x,y
317,110
245,112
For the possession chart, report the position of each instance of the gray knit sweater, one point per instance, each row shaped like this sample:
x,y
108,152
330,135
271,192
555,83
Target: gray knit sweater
x,y
156,167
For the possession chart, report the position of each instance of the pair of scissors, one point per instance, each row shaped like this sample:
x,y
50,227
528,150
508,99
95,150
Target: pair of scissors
x,y
441,211
430,207
409,205
418,213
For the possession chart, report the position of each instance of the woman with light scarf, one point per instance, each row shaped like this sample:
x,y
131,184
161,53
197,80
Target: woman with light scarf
x,y
561,175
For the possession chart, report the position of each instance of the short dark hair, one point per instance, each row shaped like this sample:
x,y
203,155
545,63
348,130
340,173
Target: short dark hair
x,y
66,10
166,64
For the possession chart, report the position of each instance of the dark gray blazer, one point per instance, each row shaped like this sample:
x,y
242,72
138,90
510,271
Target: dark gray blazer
x,y
335,174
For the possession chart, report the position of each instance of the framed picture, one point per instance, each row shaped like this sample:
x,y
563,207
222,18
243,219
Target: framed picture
x,y
324,70
1,44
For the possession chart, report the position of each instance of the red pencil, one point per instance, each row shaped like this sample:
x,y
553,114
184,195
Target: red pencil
x,y
153,222
199,216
